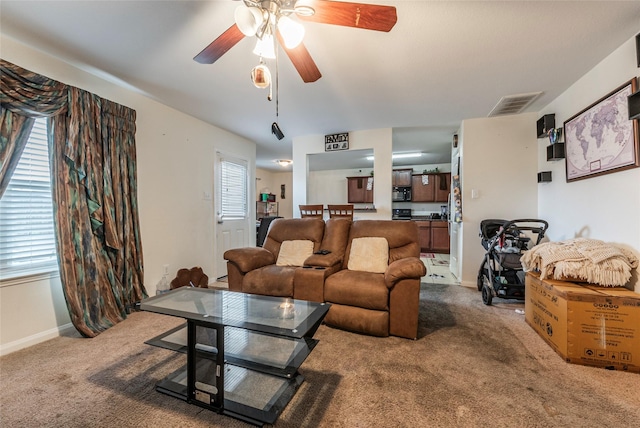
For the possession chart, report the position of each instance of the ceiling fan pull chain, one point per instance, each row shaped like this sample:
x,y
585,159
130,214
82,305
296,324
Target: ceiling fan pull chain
x,y
277,82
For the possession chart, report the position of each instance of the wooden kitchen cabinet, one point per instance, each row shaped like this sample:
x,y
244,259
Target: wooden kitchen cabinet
x,y
424,235
422,192
401,177
433,236
357,192
442,184
439,237
432,191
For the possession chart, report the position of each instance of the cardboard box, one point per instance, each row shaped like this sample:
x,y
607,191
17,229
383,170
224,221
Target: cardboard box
x,y
587,325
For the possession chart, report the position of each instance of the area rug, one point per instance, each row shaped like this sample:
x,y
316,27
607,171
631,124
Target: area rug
x,y
438,262
427,255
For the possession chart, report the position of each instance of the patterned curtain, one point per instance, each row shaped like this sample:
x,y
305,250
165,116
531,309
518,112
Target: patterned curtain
x,y
93,168
24,96
14,134
122,230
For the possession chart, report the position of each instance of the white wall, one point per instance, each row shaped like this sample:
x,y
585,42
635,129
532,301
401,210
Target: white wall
x,y
499,161
272,181
380,140
176,156
605,207
330,186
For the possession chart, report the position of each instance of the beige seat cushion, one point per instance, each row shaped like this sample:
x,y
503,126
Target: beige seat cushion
x,y
369,254
294,253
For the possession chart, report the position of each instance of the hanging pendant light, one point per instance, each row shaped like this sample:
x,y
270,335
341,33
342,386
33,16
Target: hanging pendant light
x,y
261,76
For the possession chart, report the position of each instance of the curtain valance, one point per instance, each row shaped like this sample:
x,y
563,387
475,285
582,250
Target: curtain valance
x,y
30,94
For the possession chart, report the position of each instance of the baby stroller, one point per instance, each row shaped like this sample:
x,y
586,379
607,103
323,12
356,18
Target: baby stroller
x,y
501,273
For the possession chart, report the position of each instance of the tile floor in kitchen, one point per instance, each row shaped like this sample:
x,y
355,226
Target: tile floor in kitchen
x,y
437,269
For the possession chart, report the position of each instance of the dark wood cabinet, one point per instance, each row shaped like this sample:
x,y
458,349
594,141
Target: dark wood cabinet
x,y
401,177
435,188
357,190
424,235
440,236
422,190
433,236
443,186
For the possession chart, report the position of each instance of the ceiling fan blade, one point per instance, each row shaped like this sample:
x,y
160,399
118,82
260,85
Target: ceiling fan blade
x,y
357,15
220,46
302,61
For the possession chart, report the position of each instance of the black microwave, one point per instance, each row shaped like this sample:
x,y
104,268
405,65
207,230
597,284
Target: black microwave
x,y
401,194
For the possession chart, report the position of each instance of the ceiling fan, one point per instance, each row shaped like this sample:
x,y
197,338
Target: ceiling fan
x,y
267,19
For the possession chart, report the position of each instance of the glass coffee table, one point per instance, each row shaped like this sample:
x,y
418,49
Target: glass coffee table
x,y
242,350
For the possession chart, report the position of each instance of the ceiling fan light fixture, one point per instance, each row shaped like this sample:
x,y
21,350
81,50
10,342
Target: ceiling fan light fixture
x,y
304,10
284,162
261,76
248,19
265,47
292,31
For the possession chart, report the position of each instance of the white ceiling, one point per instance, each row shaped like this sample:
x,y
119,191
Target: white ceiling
x,y
443,62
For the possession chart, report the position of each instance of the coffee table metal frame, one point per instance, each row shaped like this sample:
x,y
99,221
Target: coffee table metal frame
x,y
248,346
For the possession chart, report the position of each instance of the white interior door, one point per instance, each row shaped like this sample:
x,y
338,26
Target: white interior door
x,y
233,225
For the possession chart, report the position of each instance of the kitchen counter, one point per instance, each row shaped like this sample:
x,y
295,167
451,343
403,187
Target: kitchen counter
x,y
426,218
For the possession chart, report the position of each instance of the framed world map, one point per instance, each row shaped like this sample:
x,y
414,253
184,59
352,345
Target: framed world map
x,y
601,139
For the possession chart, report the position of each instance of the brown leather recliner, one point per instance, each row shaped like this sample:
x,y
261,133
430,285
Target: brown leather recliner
x,y
254,270
379,304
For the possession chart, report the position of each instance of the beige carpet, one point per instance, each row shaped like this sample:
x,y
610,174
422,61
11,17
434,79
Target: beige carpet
x,y
473,366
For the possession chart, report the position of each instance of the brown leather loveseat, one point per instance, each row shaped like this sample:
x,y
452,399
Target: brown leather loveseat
x,y
371,276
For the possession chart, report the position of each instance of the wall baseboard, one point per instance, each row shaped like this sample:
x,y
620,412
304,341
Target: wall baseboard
x,y
34,339
468,284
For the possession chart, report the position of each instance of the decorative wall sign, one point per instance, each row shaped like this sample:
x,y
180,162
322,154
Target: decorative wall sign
x,y
601,139
336,142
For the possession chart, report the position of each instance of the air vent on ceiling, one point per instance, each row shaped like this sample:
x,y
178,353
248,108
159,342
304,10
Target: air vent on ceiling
x,y
513,104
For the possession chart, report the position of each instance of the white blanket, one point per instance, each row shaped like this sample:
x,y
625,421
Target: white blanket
x,y
581,259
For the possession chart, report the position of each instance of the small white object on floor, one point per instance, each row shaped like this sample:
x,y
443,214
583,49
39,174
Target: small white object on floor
x,y
520,311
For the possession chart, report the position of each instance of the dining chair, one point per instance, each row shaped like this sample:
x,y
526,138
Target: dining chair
x,y
341,211
311,211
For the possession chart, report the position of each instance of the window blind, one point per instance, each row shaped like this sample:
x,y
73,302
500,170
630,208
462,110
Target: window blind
x,y
27,242
233,189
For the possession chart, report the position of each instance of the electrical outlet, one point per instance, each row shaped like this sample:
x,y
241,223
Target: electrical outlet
x,y
165,269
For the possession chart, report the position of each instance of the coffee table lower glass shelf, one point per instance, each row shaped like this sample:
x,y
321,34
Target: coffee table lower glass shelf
x,y
249,395
242,366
